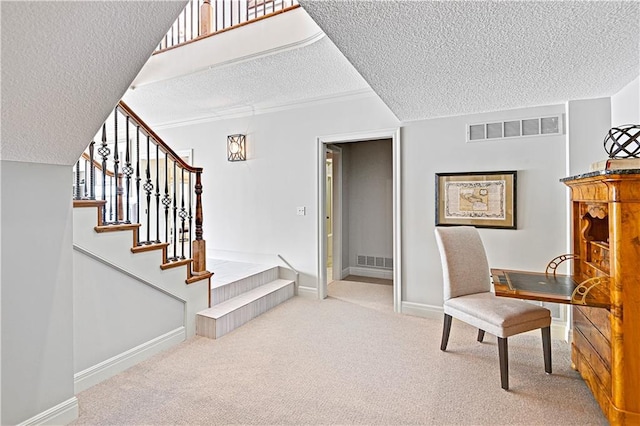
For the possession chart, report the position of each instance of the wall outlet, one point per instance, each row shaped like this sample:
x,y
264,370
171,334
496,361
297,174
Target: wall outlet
x,y
301,211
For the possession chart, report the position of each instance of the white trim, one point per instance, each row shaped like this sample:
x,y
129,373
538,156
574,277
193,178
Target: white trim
x,y
370,272
394,135
336,255
130,274
268,109
61,414
422,310
311,292
397,221
569,335
114,365
345,272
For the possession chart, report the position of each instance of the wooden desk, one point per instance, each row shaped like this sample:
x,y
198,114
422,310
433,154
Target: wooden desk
x,y
545,287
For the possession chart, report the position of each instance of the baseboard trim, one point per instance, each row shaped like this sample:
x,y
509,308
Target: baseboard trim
x,y
114,365
310,292
422,310
371,273
61,414
345,273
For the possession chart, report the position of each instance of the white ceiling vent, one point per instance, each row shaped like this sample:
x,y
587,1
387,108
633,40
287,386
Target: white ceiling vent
x,y
526,127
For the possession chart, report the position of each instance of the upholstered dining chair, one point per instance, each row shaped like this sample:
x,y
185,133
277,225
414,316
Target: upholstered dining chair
x,y
468,297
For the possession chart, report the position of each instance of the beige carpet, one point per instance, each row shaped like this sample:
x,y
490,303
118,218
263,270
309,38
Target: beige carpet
x,y
344,360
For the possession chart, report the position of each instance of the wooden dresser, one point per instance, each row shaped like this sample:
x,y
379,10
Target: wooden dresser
x,y
605,209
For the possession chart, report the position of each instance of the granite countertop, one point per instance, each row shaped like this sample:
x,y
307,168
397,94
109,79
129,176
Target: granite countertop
x,y
602,173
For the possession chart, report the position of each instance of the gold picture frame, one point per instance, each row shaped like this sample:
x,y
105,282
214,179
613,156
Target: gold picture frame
x,y
480,199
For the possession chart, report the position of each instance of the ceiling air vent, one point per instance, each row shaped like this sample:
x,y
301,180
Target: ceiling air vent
x,y
527,127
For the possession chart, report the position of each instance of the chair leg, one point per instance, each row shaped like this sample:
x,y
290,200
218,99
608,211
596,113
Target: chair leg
x,y
503,354
546,348
480,335
446,328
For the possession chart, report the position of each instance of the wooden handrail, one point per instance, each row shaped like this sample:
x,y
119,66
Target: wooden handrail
x,y
165,148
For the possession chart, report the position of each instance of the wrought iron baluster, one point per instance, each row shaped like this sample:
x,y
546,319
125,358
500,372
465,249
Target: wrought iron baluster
x,y
190,213
166,200
84,181
127,170
148,187
92,172
184,26
138,179
183,216
76,191
104,152
116,163
157,194
175,211
110,198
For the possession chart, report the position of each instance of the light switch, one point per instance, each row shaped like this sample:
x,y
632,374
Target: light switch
x,y
301,211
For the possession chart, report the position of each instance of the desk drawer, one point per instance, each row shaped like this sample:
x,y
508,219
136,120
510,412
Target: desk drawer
x,y
593,335
599,317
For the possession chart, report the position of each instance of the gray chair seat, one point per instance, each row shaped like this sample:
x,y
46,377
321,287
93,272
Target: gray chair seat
x,y
495,315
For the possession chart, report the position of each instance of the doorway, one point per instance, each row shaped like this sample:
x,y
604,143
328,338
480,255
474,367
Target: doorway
x,y
331,259
330,214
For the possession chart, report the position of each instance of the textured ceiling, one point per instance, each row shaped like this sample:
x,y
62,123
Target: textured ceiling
x,y
64,67
291,76
439,58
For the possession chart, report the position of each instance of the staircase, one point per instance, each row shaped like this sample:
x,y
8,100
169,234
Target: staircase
x,y
241,292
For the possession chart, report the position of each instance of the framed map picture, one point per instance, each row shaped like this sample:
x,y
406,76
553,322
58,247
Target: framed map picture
x,y
480,199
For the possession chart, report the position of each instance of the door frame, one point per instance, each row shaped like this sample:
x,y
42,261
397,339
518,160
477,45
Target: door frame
x,y
323,141
336,220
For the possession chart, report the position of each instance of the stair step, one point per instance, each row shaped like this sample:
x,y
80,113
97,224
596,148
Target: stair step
x,y
229,282
224,317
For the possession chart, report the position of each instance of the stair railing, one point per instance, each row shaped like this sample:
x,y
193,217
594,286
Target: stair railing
x,y
202,18
143,181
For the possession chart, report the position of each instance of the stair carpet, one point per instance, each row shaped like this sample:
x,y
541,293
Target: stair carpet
x,y
239,293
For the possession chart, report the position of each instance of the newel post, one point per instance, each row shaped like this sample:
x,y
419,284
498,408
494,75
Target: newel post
x,y
206,18
199,245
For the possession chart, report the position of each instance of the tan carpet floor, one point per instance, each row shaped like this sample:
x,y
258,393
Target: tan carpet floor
x,y
348,359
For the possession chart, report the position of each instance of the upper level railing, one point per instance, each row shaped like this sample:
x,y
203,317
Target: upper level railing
x,y
143,181
202,18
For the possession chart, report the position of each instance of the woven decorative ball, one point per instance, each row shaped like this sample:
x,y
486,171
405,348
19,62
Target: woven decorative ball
x,y
623,141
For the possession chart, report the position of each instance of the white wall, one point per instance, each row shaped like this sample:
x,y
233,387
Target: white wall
x,y
106,305
250,206
625,105
370,180
589,121
37,299
438,145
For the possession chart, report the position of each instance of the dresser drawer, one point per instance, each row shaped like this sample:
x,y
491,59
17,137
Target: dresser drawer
x,y
593,359
593,335
599,317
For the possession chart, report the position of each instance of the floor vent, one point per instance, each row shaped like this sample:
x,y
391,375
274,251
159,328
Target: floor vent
x,y
374,262
527,127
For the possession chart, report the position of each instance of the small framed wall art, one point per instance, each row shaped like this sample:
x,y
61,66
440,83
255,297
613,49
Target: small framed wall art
x,y
480,199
